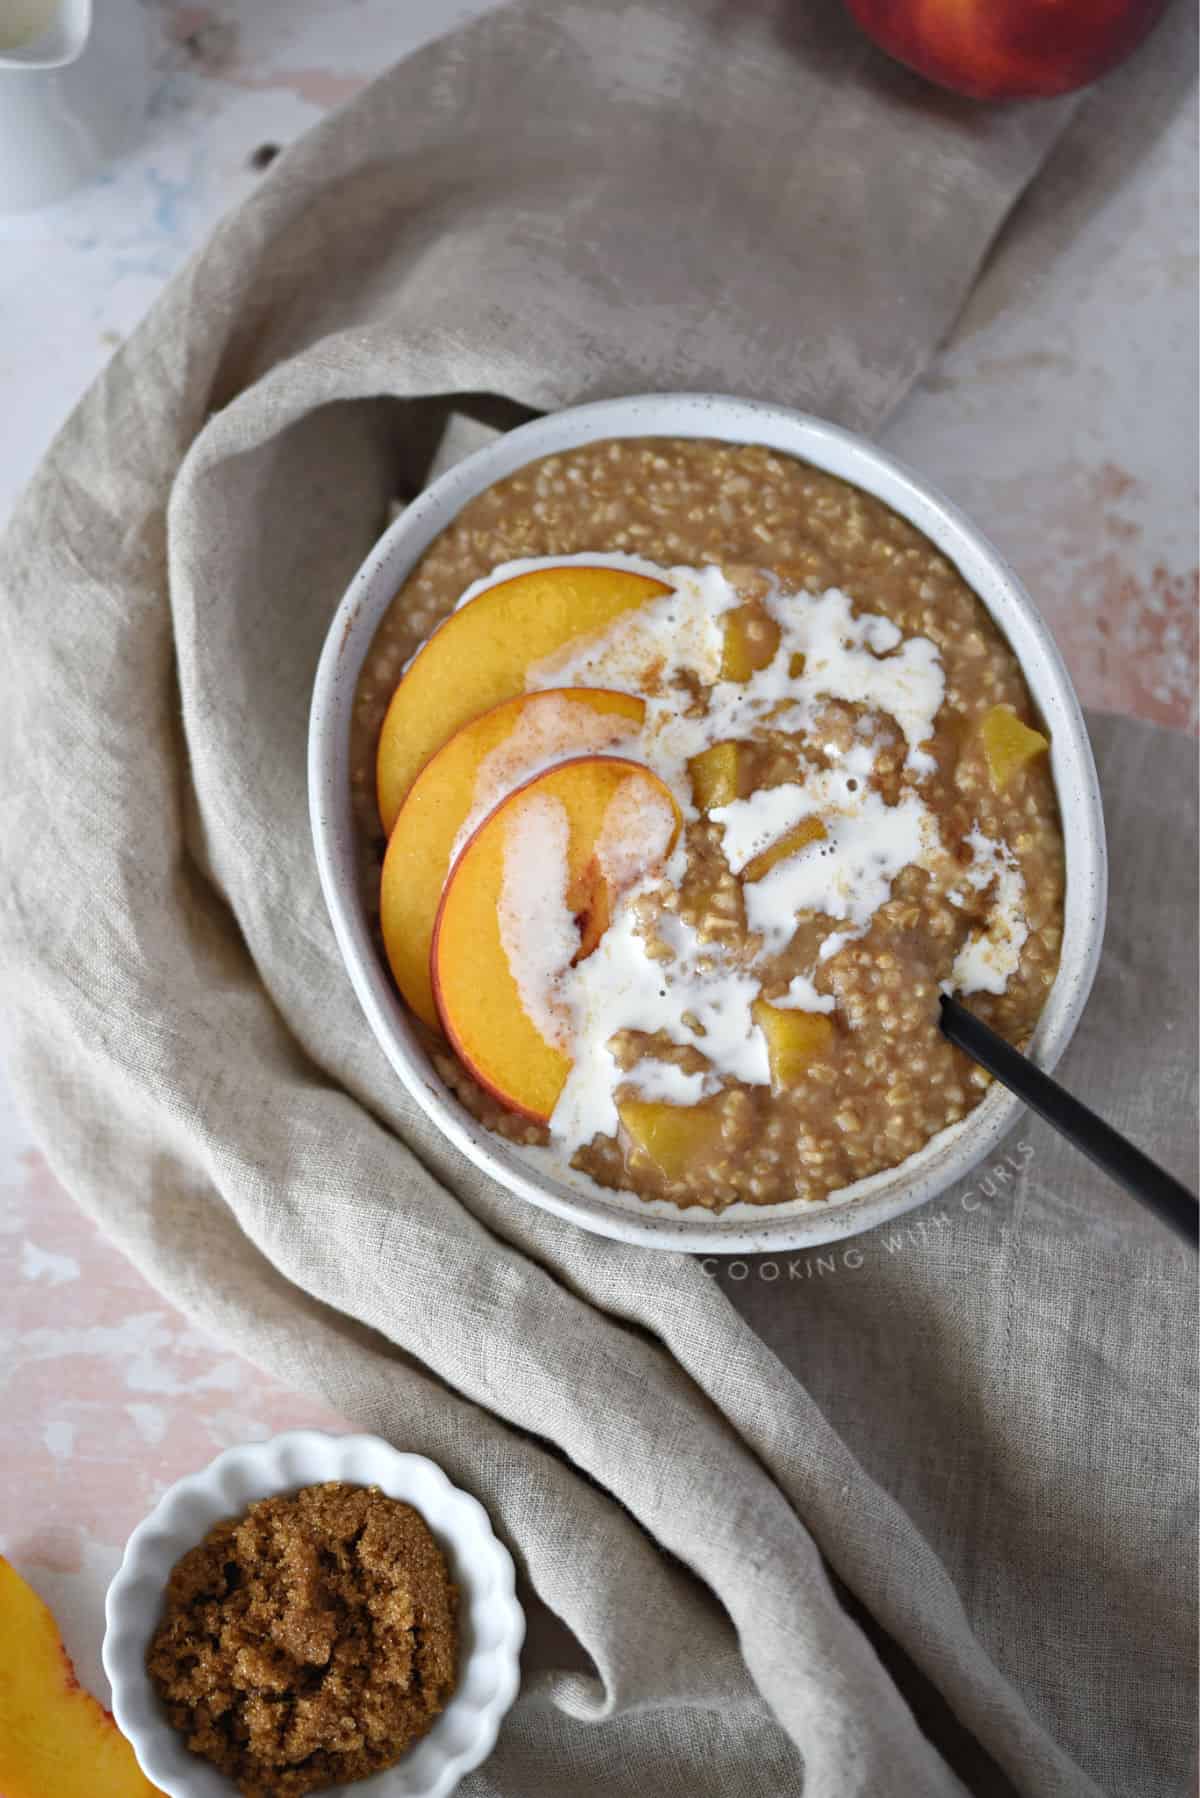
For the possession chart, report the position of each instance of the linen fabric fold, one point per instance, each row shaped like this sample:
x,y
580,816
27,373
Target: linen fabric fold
x,y
744,1577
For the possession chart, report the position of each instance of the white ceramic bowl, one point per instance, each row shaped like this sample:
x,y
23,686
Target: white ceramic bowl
x,y
491,1620
531,1173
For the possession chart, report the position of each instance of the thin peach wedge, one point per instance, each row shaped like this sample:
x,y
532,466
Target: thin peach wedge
x,y
481,655
529,896
467,778
809,830
1008,744
56,1741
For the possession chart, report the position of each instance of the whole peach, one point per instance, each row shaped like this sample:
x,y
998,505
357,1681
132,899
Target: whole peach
x,y
1008,49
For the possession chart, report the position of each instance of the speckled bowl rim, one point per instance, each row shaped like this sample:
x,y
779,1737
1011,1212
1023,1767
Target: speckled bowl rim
x,y
491,1620
742,1229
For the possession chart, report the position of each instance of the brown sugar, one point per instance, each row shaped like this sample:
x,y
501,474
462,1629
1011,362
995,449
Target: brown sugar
x,y
308,1643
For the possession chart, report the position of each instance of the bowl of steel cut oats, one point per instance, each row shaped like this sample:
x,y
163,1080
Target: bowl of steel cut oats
x,y
669,758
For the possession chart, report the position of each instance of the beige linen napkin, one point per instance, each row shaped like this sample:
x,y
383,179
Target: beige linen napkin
x,y
742,1582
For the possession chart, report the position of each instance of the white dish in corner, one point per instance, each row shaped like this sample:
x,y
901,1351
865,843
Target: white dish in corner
x,y
491,1621
531,1173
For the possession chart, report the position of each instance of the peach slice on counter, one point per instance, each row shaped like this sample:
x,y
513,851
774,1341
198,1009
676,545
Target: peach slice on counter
x,y
1008,744
714,776
480,656
56,1740
674,1137
795,1040
472,773
751,637
809,830
530,895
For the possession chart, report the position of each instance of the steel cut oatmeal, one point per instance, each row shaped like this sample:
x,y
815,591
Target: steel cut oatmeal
x,y
718,776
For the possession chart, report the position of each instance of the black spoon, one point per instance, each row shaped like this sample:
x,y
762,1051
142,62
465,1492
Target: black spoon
x,y
1166,1196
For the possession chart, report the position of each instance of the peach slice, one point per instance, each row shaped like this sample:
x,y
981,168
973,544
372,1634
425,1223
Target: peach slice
x,y
480,656
1008,744
480,765
530,895
751,638
674,1137
795,1040
56,1741
714,776
809,830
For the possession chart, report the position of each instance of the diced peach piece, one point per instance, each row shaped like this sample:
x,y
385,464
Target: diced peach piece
x,y
496,753
751,639
481,654
489,1020
795,1040
56,1741
1008,744
795,665
675,1137
714,775
809,830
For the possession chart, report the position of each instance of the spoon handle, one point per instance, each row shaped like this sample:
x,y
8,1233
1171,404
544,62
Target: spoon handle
x,y
1166,1196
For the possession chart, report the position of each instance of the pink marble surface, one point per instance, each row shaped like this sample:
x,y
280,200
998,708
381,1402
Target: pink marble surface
x,y
1124,616
110,1396
1072,444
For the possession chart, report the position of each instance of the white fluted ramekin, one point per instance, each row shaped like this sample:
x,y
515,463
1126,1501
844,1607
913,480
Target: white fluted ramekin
x,y
491,1621
535,1174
